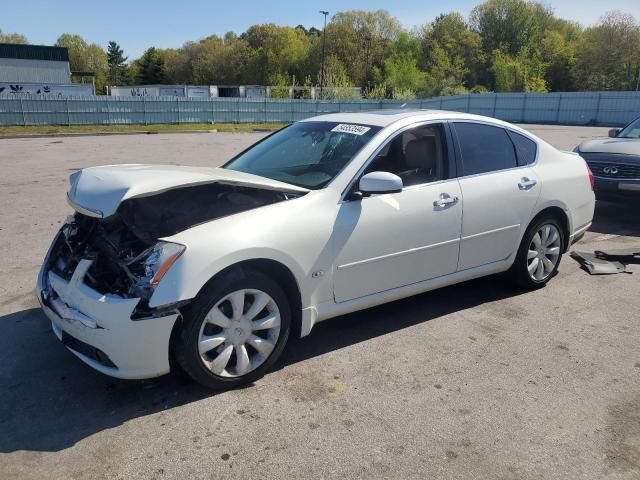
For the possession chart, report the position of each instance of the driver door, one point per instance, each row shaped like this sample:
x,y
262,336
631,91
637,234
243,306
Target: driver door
x,y
396,239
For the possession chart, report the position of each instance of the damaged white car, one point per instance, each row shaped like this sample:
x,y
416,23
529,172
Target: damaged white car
x,y
215,269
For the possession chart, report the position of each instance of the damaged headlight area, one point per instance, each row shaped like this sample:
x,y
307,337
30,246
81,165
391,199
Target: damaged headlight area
x,y
122,263
147,269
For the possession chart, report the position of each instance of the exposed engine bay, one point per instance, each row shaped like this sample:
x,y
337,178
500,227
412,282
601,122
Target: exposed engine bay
x,y
121,245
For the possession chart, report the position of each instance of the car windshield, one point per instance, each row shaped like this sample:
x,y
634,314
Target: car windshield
x,y
306,154
631,131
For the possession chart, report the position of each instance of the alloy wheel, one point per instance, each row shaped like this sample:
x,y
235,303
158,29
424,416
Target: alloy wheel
x,y
544,252
239,333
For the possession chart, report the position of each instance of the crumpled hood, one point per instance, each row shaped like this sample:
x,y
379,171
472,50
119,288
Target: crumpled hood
x,y
98,191
624,146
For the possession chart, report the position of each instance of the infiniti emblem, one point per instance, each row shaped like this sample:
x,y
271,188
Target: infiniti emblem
x,y
610,170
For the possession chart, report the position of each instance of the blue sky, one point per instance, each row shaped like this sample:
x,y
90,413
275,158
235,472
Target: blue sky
x,y
137,24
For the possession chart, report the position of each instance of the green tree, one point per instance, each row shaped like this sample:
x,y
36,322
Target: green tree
x,y
277,53
521,73
221,62
133,73
443,76
208,60
609,54
151,67
178,62
507,45
558,51
399,75
177,65
452,54
86,57
510,24
362,40
402,73
13,38
116,60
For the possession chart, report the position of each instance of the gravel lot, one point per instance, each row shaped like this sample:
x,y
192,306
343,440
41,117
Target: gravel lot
x,y
473,381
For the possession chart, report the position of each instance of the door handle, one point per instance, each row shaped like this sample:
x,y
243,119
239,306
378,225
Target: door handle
x,y
526,184
445,199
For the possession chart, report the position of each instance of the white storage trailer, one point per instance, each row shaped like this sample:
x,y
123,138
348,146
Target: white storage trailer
x,y
191,91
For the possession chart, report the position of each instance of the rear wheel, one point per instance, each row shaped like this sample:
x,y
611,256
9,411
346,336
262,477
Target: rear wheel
x,y
539,253
234,331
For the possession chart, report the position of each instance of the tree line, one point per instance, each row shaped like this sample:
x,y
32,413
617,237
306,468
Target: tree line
x,y
504,46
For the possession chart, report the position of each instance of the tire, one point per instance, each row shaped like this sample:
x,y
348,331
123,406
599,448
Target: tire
x,y
520,270
247,347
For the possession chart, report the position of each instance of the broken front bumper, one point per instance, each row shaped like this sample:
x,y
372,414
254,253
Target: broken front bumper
x,y
99,330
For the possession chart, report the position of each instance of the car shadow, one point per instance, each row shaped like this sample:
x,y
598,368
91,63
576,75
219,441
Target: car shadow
x,y
50,400
616,218
364,325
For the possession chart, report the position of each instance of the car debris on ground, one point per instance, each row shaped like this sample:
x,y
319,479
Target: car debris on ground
x,y
602,262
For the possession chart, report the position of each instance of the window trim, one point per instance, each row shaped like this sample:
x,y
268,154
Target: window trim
x,y
451,156
458,150
512,134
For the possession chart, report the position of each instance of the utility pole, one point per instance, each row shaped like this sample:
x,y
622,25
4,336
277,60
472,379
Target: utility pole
x,y
324,41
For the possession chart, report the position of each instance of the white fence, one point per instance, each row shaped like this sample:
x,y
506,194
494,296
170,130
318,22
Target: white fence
x,y
575,108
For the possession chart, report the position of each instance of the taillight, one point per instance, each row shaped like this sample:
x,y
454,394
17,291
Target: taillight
x,y
591,180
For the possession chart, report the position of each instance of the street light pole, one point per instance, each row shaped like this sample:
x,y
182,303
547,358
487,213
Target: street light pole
x,y
324,41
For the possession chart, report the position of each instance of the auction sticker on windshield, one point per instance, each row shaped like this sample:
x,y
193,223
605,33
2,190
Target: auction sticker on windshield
x,y
353,129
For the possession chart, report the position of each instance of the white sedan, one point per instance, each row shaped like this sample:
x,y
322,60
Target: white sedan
x,y
214,269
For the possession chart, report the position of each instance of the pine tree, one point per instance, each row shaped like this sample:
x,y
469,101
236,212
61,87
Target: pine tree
x,y
151,67
117,66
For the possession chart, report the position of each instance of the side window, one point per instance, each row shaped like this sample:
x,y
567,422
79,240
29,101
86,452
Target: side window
x,y
484,148
417,156
525,148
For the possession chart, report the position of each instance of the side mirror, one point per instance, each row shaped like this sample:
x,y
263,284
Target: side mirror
x,y
380,182
614,132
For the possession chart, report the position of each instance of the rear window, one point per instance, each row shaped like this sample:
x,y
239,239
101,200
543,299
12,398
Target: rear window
x,y
484,148
526,149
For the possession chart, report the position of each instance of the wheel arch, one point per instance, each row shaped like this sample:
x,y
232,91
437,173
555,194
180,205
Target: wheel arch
x,y
279,272
561,215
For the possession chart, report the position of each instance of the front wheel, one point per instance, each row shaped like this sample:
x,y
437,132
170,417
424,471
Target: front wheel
x,y
539,253
235,330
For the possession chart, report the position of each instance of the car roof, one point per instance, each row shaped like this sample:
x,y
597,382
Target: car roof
x,y
386,117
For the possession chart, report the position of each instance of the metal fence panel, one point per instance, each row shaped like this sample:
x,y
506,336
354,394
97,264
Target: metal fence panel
x,y
542,108
302,109
83,112
126,110
577,108
482,104
38,110
509,106
11,111
456,103
195,110
618,107
431,103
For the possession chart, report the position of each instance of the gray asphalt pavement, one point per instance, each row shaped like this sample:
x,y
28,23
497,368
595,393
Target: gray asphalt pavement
x,y
476,380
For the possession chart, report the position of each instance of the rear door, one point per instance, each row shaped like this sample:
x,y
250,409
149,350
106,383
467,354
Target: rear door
x,y
499,191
